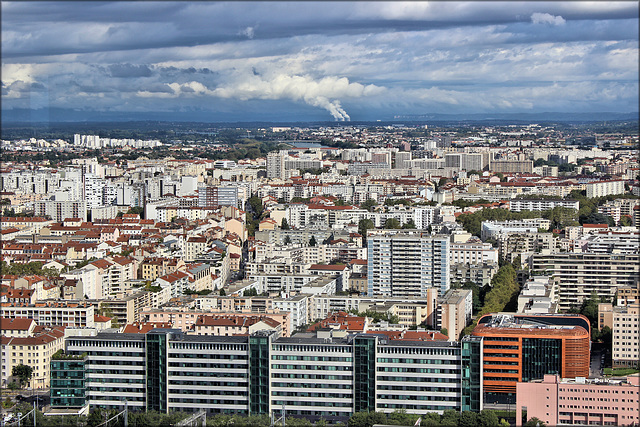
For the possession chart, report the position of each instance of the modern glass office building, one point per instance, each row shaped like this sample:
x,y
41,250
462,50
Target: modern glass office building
x,y
327,374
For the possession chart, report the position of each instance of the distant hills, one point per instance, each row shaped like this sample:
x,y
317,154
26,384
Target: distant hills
x,y
60,115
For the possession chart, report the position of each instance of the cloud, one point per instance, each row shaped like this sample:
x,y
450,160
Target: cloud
x,y
249,32
345,58
323,93
129,70
545,18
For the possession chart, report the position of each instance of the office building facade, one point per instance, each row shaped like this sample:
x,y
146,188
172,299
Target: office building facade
x,y
329,375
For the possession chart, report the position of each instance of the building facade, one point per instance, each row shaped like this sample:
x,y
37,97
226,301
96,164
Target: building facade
x,y
328,375
407,264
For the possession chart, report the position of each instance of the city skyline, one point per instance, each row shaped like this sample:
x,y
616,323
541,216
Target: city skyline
x,y
318,61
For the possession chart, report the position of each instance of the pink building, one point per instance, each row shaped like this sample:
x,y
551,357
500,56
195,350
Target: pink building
x,y
582,401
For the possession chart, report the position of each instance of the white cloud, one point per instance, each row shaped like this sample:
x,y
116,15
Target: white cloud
x,y
324,93
546,18
249,32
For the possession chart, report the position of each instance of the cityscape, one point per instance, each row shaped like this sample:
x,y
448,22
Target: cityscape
x,y
320,214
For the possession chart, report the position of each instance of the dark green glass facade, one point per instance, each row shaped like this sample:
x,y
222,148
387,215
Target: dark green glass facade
x,y
156,367
471,374
259,374
364,373
540,356
67,383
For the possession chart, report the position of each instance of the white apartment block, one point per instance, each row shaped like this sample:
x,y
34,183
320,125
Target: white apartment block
x,y
472,253
604,188
518,205
402,263
58,211
626,335
490,229
298,306
54,313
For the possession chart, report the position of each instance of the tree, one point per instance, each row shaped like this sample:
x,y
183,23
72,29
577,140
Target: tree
x,y
409,225
450,417
23,372
287,240
444,331
392,223
222,292
487,418
597,218
364,225
312,241
284,225
534,422
468,419
625,221
369,204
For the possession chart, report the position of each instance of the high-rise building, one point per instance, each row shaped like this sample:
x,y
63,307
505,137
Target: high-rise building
x,y
407,263
275,165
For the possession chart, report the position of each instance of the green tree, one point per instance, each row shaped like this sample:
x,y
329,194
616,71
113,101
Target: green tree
x,y
589,308
625,221
297,422
392,223
487,418
444,331
534,422
450,417
409,225
369,204
468,419
23,373
284,225
363,226
222,292
312,241
287,240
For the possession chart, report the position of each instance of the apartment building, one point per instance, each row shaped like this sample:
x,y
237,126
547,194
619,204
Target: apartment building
x,y
538,295
480,274
328,374
557,401
580,274
604,188
517,205
34,350
491,229
472,253
54,313
60,210
454,312
410,311
618,208
625,332
407,263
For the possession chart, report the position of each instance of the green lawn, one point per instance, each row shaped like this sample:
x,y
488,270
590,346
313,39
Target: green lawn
x,y
620,371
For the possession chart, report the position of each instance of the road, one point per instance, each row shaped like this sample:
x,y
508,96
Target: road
x,y
596,365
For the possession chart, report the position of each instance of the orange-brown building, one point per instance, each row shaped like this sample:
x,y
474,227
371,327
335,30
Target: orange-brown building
x,y
521,348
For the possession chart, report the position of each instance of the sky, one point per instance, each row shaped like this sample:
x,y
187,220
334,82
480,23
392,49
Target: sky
x,y
305,61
